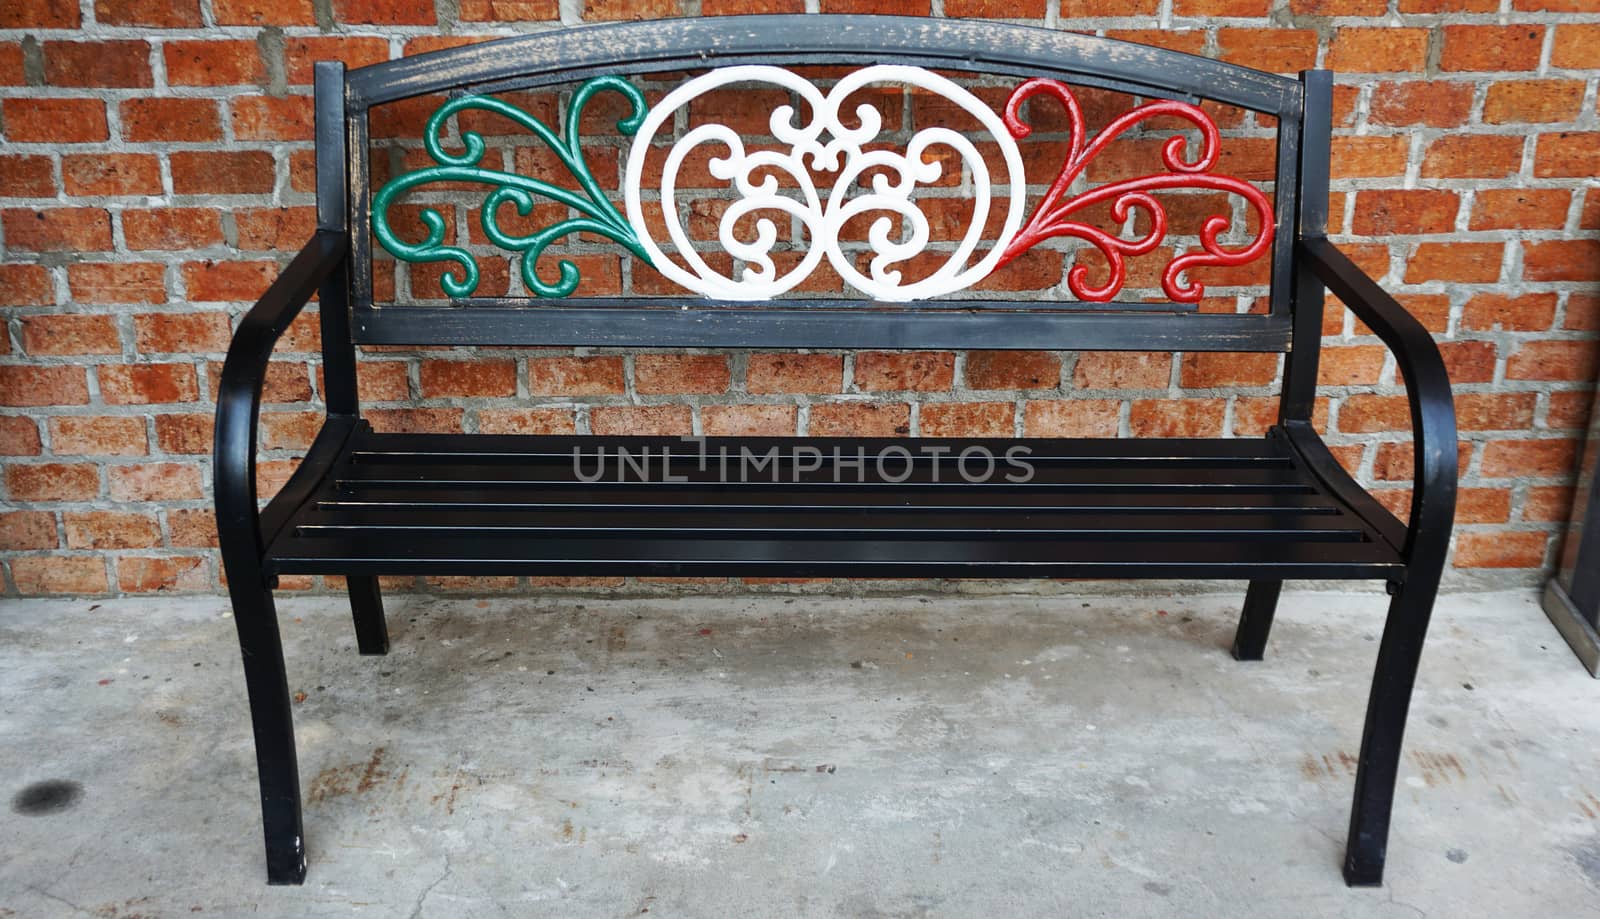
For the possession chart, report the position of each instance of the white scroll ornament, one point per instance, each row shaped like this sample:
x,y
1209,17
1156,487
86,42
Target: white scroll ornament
x,y
826,144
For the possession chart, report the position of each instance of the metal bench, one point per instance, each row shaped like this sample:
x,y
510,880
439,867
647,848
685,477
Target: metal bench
x,y
364,504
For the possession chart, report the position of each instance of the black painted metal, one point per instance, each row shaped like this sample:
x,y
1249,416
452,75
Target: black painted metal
x,y
1427,543
363,504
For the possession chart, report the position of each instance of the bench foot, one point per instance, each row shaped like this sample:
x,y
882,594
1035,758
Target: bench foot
x,y
1379,763
267,684
366,605
1260,602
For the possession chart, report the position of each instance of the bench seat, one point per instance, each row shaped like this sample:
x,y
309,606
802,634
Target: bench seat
x,y
440,504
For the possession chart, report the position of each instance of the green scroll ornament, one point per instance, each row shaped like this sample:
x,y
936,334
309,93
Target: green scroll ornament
x,y
598,214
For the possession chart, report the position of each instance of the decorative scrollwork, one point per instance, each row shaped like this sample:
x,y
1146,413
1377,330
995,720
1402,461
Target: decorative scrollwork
x,y
826,144
598,214
1051,217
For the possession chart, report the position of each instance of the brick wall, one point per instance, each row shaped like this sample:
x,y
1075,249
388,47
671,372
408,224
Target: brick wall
x,y
155,171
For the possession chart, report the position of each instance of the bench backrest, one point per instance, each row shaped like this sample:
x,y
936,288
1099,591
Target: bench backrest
x,y
1019,198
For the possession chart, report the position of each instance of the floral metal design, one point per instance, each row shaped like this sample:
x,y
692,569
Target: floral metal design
x,y
597,213
1053,215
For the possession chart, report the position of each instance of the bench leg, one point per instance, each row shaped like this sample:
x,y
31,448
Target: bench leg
x,y
1379,763
268,685
1260,602
366,605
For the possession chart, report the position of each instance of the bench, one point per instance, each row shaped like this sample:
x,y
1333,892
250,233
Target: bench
x,y
364,504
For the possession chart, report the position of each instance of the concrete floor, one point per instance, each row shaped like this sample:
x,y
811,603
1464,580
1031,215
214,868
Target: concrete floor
x,y
795,756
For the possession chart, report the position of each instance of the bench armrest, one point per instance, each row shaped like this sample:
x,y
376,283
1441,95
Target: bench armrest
x,y
1433,415
239,392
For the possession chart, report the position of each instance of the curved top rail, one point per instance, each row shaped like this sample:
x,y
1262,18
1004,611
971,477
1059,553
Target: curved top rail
x,y
637,47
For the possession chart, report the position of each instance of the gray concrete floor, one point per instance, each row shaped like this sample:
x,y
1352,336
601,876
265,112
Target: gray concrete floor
x,y
796,756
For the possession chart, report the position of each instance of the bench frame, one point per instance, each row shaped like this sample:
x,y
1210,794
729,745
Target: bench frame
x,y
335,265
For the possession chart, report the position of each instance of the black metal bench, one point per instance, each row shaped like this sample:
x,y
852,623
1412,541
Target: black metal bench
x,y
365,504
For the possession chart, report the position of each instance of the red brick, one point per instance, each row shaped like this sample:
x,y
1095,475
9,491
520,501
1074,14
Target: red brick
x,y
1491,47
1569,410
1500,549
21,384
59,574
27,177
1072,418
1280,50
111,174
97,63
469,378
1353,365
1013,370
147,384
164,119
271,118
1509,312
1122,370
794,373
165,574
19,436
274,229
1561,260
1439,104
1520,209
70,333
39,14
301,54
1569,154
1206,8
289,430
526,421
111,530
641,420
1390,212
186,433
1495,411
1554,360
1393,462
749,420
1482,505
860,419
57,229
1023,8
210,281
1467,263
1547,504
57,121
11,64
1210,369
681,373
387,12
892,371
213,63
263,12
1338,7
1176,417
536,10
155,482
157,14
1468,361
1535,101
1369,414
176,229
26,285
53,482
1574,45
181,333
1189,41
1387,49
1369,157
117,282
1517,458
246,172
98,435
27,530
1489,156
576,376
967,419
1583,312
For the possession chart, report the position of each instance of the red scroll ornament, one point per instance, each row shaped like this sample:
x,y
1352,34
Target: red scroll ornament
x,y
1050,218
